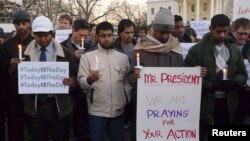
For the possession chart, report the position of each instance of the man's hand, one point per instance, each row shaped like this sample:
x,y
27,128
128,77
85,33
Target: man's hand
x,y
203,71
69,81
14,62
137,73
93,76
78,53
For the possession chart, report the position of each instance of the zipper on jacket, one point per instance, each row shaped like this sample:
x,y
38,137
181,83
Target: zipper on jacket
x,y
91,95
36,97
57,106
126,96
110,80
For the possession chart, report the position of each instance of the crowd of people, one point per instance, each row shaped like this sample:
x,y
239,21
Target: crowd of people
x,y
102,98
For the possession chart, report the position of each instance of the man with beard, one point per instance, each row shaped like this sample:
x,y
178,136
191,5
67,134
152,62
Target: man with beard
x,y
158,49
102,72
12,102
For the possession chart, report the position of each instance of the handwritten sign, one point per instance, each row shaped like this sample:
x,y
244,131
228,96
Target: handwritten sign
x,y
62,35
200,27
241,8
42,77
168,104
185,47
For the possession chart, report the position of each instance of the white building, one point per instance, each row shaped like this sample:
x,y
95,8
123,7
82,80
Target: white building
x,y
189,9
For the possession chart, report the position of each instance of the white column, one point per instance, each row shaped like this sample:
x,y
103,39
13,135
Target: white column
x,y
197,10
217,7
211,8
220,6
184,11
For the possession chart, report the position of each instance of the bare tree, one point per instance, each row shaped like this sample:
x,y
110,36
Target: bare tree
x,y
229,8
137,13
90,10
49,8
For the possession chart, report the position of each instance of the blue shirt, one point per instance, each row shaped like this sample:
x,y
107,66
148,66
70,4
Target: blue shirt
x,y
50,52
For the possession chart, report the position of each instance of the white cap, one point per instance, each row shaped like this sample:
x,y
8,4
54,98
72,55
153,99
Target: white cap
x,y
42,24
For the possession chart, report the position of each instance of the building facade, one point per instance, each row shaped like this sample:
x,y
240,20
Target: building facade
x,y
190,10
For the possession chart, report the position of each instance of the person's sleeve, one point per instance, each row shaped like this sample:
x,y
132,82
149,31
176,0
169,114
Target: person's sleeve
x,y
83,72
127,86
241,76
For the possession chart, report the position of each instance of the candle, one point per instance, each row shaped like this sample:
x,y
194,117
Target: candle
x,y
137,59
82,43
96,63
20,52
225,70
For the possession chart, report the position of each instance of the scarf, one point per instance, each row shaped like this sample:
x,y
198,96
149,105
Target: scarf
x,y
150,44
221,57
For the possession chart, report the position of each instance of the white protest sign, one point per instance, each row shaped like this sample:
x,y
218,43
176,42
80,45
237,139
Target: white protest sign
x,y
241,8
185,47
42,77
62,34
168,104
200,27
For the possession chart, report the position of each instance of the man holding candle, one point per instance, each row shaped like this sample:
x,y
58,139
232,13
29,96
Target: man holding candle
x,y
75,44
9,58
218,56
76,41
102,72
158,49
48,114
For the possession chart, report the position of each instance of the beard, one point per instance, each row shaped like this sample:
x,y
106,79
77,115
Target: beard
x,y
107,46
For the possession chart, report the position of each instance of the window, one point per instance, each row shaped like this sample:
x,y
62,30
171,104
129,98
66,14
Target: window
x,y
192,8
169,7
179,9
160,7
152,11
204,6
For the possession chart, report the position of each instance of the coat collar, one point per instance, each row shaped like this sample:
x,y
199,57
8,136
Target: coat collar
x,y
31,50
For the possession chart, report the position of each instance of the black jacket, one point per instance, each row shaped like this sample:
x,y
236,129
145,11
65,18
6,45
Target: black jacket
x,y
9,80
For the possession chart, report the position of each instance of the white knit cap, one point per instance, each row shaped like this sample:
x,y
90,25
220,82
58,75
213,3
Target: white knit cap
x,y
164,20
42,24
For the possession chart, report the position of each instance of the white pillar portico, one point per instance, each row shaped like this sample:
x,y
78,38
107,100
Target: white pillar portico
x,y
197,10
211,8
220,4
217,7
184,11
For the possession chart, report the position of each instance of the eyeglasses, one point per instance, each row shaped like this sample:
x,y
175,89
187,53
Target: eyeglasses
x,y
105,35
242,33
